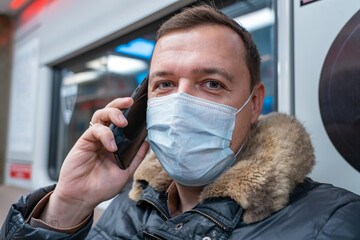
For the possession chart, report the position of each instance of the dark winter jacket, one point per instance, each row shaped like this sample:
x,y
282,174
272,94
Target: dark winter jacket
x,y
266,195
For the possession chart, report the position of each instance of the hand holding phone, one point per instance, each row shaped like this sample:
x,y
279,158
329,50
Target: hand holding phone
x,y
130,138
89,166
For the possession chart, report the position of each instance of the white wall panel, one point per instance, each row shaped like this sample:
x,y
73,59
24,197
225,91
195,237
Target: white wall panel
x,y
316,25
71,25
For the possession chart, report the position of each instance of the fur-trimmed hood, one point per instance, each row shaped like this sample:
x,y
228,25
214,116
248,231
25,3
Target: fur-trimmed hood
x,y
278,156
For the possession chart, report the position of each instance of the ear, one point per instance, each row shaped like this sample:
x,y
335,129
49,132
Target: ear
x,y
257,101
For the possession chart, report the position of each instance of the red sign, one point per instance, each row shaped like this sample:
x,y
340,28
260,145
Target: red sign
x,y
15,4
21,171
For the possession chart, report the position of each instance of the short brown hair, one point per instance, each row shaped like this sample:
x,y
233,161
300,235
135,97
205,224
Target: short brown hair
x,y
204,15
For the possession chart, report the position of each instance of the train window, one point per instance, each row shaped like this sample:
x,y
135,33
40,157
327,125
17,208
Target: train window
x,y
88,82
258,17
85,85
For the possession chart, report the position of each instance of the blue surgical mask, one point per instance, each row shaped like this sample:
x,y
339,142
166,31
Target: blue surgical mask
x,y
191,137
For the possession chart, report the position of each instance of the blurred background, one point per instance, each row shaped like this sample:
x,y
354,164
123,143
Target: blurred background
x,y
61,60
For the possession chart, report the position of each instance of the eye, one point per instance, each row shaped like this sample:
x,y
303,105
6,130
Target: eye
x,y
164,84
213,84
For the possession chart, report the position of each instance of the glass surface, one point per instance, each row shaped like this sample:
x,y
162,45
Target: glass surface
x,y
88,83
259,19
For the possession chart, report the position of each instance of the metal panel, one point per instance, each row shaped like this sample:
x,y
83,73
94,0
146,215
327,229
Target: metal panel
x,y
285,57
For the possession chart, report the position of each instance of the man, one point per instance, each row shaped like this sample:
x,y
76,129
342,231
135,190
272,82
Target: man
x,y
218,172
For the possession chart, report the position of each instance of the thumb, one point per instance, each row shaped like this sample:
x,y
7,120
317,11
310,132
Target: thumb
x,y
140,155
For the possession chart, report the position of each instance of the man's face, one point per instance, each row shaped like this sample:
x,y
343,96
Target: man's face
x,y
207,62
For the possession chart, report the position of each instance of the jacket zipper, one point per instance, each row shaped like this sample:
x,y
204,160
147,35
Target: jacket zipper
x,y
211,218
154,205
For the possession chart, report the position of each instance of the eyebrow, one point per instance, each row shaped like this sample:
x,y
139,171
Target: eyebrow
x,y
217,71
160,74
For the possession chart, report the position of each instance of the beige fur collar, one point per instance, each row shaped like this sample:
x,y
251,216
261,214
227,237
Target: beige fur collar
x,y
279,155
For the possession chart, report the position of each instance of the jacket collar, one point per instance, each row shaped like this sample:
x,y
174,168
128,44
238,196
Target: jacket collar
x,y
279,155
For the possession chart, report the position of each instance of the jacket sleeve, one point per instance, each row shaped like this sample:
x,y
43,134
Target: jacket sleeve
x,y
343,223
16,227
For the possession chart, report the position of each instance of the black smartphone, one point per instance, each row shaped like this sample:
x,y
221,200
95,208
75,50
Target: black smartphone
x,y
130,138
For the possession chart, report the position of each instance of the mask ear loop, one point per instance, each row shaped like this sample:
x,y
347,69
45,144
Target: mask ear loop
x,y
247,101
242,145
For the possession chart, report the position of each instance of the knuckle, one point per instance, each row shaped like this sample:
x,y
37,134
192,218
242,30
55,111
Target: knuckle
x,y
115,111
95,127
113,103
100,131
118,102
105,132
97,113
102,114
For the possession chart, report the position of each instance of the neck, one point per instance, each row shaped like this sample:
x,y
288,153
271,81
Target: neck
x,y
189,196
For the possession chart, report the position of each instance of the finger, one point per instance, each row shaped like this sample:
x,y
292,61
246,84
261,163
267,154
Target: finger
x,y
140,155
110,114
100,133
121,103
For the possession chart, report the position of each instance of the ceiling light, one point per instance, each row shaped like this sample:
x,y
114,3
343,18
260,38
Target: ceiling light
x,y
125,65
82,77
256,20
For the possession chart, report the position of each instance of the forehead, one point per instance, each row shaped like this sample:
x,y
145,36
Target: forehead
x,y
219,39
182,52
